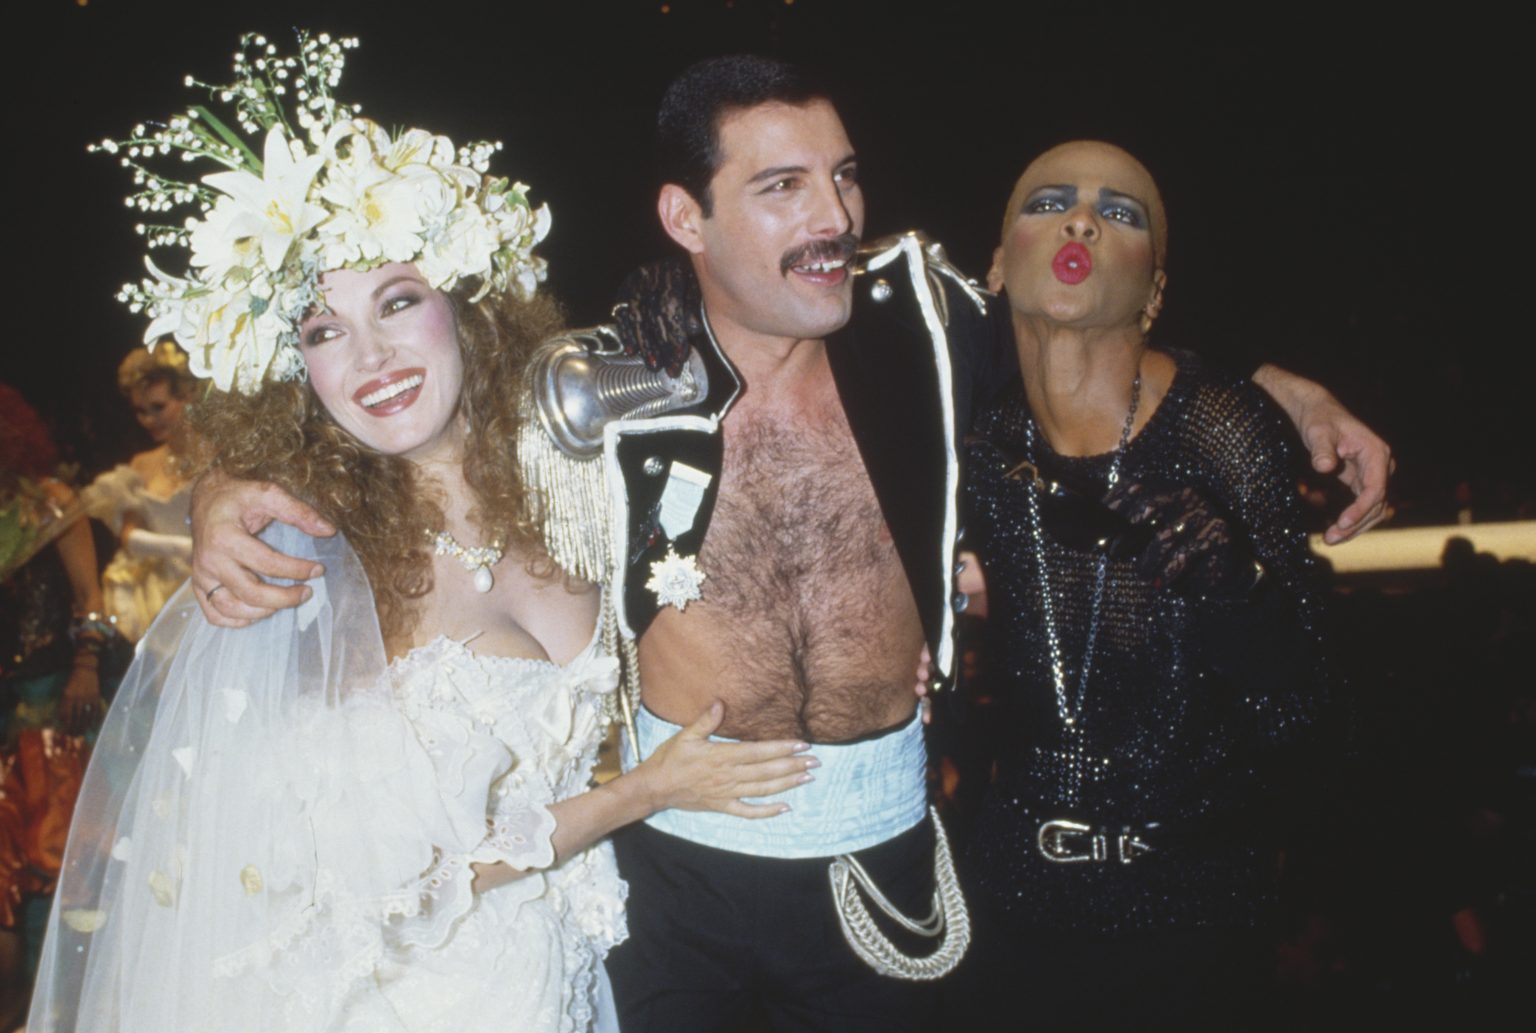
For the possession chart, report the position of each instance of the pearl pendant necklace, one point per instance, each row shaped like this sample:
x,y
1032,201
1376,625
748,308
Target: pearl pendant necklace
x,y
478,560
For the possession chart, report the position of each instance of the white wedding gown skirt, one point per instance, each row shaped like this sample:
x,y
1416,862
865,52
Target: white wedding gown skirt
x,y
276,830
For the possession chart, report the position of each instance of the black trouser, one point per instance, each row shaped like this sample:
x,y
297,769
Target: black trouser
x,y
721,941
1189,980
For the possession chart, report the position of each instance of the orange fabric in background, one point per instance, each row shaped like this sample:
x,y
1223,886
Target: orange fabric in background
x,y
39,784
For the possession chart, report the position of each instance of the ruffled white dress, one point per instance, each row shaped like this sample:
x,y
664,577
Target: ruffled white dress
x,y
140,580
276,832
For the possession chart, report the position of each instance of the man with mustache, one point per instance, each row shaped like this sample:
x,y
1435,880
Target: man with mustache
x,y
829,466
822,462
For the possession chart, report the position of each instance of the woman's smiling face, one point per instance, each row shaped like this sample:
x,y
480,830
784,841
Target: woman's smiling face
x,y
384,360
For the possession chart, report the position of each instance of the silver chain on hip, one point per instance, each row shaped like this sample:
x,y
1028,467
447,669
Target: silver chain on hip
x,y
948,917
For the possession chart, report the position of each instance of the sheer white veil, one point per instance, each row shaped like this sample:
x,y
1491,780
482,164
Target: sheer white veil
x,y
201,889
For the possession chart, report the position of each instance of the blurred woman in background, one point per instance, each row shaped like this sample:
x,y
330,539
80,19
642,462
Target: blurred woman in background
x,y
145,500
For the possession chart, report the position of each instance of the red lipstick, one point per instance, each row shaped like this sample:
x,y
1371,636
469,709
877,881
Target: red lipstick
x,y
391,393
1072,263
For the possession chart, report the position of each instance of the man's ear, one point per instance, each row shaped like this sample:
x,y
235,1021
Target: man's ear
x,y
681,217
995,274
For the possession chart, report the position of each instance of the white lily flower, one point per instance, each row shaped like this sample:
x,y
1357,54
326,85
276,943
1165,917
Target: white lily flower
x,y
228,236
418,147
464,247
279,198
376,217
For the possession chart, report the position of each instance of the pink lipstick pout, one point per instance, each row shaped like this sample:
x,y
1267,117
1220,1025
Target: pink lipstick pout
x,y
394,403
1072,263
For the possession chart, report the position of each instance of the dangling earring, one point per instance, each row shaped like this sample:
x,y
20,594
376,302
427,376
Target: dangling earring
x,y
1146,322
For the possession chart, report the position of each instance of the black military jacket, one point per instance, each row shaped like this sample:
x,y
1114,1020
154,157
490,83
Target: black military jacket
x,y
908,367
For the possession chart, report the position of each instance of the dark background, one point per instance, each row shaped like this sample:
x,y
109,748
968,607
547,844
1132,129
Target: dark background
x,y
1341,188
1348,196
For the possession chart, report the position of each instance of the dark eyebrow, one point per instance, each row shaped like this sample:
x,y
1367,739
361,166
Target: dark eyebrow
x,y
387,284
797,170
1106,194
777,171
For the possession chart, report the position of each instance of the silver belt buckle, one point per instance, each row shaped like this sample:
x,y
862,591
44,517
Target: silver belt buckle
x,y
1129,846
1055,840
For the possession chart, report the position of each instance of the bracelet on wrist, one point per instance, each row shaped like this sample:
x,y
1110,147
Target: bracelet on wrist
x,y
93,632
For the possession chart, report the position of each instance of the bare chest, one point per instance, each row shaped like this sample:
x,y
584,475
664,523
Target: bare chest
x,y
806,598
797,526
528,612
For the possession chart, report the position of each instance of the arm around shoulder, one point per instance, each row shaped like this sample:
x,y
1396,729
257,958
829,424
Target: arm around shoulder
x,y
230,567
1339,443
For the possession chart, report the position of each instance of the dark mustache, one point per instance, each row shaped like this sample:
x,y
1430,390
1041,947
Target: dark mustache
x,y
833,248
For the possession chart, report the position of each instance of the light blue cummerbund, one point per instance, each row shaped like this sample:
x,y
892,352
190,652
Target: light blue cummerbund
x,y
864,793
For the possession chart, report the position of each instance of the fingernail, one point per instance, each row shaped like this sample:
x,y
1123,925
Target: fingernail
x,y
807,777
812,762
307,595
316,570
783,808
801,747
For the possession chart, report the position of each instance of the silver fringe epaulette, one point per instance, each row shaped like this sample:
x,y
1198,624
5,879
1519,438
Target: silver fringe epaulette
x,y
579,383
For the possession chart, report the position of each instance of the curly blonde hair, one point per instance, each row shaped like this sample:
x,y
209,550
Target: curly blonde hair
x,y
162,363
283,434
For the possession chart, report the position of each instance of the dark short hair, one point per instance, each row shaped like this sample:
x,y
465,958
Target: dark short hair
x,y
697,101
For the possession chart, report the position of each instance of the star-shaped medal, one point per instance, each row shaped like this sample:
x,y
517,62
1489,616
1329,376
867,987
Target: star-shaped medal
x,y
675,580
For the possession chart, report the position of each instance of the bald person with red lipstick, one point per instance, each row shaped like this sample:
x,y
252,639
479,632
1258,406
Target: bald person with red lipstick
x,y
788,545
1158,613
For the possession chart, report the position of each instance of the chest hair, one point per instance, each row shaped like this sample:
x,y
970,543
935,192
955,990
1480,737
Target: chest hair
x,y
804,578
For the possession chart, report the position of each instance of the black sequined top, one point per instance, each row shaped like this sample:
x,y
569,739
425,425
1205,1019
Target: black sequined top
x,y
1193,706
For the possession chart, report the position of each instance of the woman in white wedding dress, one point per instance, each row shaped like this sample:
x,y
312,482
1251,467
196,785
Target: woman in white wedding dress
x,y
283,828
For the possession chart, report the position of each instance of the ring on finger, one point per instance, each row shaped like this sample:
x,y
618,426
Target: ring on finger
x,y
208,595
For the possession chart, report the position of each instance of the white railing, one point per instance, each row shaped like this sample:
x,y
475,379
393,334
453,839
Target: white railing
x,y
1418,548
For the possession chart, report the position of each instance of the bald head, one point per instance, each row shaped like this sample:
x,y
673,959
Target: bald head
x,y
1071,163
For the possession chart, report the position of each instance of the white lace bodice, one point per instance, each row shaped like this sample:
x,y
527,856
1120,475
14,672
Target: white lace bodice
x,y
506,739
464,756
538,726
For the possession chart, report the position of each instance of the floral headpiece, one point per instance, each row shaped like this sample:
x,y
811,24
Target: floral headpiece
x,y
330,190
